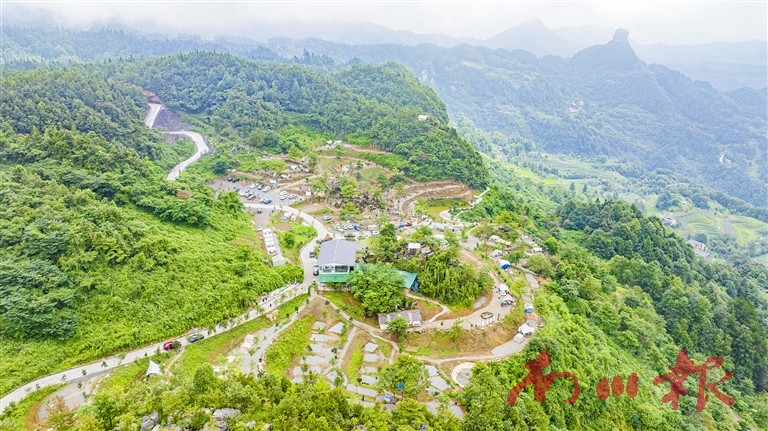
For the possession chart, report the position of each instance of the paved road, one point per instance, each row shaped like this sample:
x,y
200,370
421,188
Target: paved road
x,y
154,109
202,149
75,374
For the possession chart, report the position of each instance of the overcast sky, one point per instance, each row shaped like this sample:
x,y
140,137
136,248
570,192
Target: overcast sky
x,y
648,21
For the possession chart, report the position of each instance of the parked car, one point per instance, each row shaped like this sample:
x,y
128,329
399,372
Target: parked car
x,y
326,218
268,201
312,254
170,345
267,188
316,271
258,211
195,338
260,186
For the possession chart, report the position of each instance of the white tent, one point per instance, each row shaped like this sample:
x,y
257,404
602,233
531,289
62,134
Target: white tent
x,y
526,329
153,369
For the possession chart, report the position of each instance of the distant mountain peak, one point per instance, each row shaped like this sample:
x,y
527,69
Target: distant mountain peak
x,y
617,54
621,35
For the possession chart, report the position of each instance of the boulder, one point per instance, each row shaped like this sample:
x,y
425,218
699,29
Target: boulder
x,y
149,422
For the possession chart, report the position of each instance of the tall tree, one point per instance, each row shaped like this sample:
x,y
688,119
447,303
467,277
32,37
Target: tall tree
x,y
379,287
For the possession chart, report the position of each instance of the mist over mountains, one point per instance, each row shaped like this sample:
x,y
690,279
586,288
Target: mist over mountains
x,y
726,66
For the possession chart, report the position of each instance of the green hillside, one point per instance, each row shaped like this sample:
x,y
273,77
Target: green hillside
x,y
98,253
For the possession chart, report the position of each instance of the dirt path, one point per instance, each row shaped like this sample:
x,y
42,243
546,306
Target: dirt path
x,y
445,310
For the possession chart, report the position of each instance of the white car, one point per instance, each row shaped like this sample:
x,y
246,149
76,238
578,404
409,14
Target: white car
x,y
282,198
283,193
267,188
365,235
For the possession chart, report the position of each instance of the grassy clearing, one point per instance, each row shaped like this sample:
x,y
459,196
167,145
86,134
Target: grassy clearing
x,y
384,347
22,415
292,241
446,342
122,378
354,359
747,229
211,348
348,303
371,174
291,344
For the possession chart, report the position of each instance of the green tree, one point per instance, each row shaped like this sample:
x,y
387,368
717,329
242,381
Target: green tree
x,y
312,159
220,167
551,245
294,152
398,326
484,398
256,138
385,246
61,417
378,287
350,189
407,372
540,265
700,201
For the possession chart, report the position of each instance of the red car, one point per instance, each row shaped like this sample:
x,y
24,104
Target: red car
x,y
169,345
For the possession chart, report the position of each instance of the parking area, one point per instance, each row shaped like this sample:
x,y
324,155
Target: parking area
x,y
258,192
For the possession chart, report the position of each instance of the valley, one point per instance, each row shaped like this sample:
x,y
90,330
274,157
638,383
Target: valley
x,y
376,237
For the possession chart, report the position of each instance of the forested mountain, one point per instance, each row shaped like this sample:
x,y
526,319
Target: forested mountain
x,y
381,109
603,101
99,253
728,66
84,201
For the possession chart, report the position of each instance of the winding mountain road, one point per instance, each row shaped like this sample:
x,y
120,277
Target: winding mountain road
x,y
86,372
200,145
276,298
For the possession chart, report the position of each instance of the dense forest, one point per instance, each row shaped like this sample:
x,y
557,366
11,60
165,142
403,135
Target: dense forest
x,y
625,294
97,251
604,101
262,96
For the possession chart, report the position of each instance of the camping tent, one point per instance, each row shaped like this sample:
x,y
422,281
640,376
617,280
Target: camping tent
x,y
504,264
153,369
526,329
